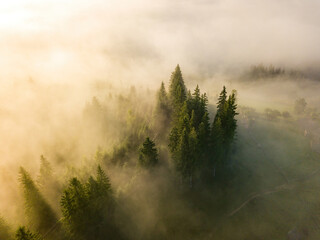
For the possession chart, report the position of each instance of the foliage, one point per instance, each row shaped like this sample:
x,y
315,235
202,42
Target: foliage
x,y
88,208
261,71
177,91
25,234
162,113
39,213
148,156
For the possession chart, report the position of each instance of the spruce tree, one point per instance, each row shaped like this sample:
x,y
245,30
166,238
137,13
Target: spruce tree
x,y
224,126
162,113
39,214
217,136
148,156
25,234
88,208
204,134
74,203
174,139
195,106
177,91
231,122
193,160
45,177
162,96
221,102
181,156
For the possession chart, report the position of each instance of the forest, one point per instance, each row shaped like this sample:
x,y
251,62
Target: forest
x,y
181,167
91,208
152,120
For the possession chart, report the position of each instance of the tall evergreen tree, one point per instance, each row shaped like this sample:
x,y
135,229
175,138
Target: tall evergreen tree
x,y
162,113
88,208
217,135
25,234
74,203
45,177
162,96
231,121
222,100
174,139
204,134
190,135
224,126
39,214
177,91
181,156
148,156
195,106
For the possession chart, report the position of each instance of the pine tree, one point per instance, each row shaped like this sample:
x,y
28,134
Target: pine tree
x,y
74,203
174,139
223,127
231,122
217,135
25,234
204,106
204,134
162,113
39,214
181,156
185,157
45,177
196,107
177,91
190,135
148,156
162,96
221,105
88,208
193,160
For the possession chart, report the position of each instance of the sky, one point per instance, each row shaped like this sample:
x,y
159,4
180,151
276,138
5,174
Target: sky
x,y
139,40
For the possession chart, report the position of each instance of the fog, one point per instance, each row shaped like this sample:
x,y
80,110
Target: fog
x,y
129,41
79,79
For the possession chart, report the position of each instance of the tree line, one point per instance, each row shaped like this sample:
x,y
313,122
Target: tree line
x,y
197,144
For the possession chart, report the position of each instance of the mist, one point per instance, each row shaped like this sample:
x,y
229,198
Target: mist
x,y
79,89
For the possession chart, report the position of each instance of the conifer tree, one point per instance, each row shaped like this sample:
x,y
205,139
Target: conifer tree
x,y
174,139
74,203
45,176
196,107
177,91
231,122
39,214
148,156
162,97
204,134
221,102
25,234
190,135
162,113
193,156
88,208
224,126
181,155
217,135
185,157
